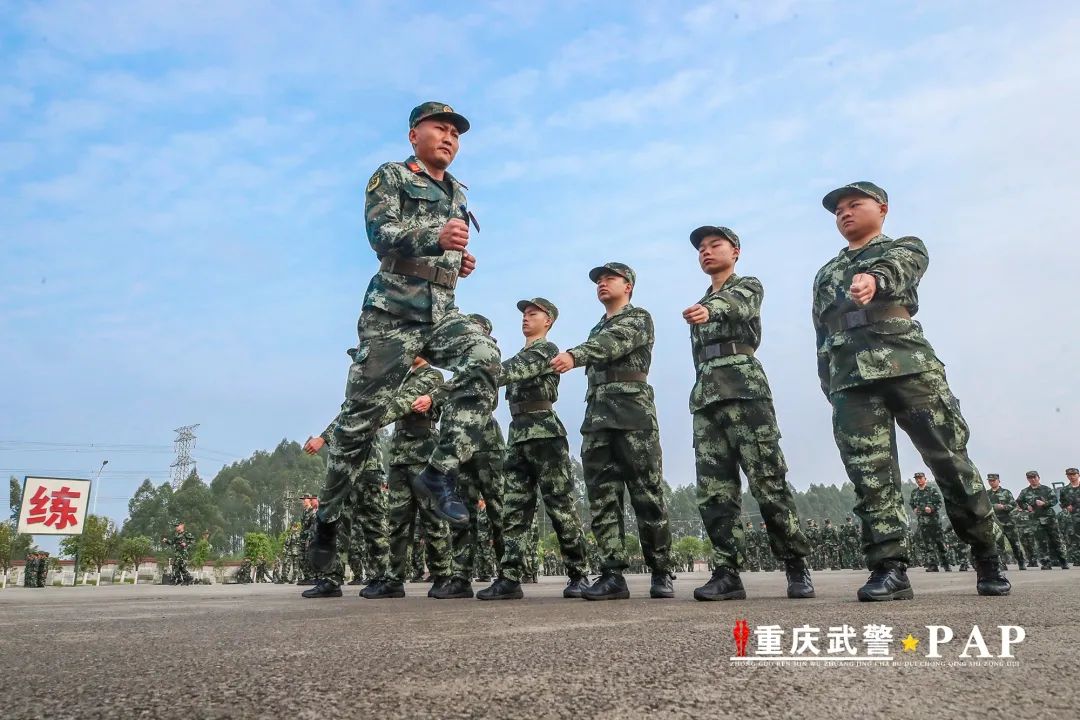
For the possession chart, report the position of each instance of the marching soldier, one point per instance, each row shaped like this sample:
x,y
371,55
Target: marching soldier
x,y
1005,510
1038,501
926,504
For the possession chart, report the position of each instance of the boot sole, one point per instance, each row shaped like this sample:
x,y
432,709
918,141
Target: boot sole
x,y
391,596
661,595
453,597
320,596
733,595
624,595
907,594
515,596
992,593
802,596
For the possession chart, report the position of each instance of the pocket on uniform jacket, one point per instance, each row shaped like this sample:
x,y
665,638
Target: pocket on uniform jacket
x,y
424,192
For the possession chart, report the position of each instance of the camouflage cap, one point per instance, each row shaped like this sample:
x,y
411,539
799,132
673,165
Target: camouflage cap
x,y
860,187
920,474
432,109
993,476
1031,473
1072,471
481,321
618,268
542,303
713,230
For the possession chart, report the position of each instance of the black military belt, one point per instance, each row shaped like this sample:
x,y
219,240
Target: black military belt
x,y
867,316
415,425
612,376
723,349
412,268
529,406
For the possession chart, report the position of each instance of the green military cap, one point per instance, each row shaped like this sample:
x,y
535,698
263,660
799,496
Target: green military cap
x,y
432,109
713,230
1031,473
542,303
1072,471
993,476
618,268
861,187
481,321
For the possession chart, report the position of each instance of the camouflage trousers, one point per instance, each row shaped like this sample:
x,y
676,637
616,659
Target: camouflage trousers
x,y
743,433
864,426
418,552
180,573
481,477
403,510
363,529
617,461
1070,524
388,345
1048,538
931,543
1009,532
541,467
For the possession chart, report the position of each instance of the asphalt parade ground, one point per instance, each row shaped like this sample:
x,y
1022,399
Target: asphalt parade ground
x,y
228,651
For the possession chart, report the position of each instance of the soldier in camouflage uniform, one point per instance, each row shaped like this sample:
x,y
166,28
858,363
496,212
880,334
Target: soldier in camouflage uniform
x,y
416,222
537,461
768,559
418,553
830,543
363,521
1005,511
850,542
291,554
620,445
1070,520
307,525
1038,501
413,440
182,543
816,558
879,371
31,570
926,504
1025,528
735,424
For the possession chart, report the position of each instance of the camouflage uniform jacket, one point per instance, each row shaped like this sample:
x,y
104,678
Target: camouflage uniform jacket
x,y
893,347
920,498
181,543
414,437
1004,497
405,208
1029,495
529,378
734,317
1070,496
620,343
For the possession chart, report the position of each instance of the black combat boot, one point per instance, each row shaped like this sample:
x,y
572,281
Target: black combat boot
x,y
323,546
989,580
1064,565
662,586
456,588
932,568
609,586
323,589
948,567
725,584
383,590
575,586
357,581
799,584
888,581
501,589
438,489
436,583
1031,562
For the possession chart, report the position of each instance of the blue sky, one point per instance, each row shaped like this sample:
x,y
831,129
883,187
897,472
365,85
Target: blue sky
x,y
181,195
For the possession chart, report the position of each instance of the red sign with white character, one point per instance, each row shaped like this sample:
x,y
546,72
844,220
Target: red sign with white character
x,y
53,506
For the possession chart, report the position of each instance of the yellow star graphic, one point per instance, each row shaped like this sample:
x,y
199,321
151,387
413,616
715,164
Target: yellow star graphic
x,y
910,643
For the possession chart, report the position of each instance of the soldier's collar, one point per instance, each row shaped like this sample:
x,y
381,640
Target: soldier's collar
x,y
873,241
414,164
620,311
731,279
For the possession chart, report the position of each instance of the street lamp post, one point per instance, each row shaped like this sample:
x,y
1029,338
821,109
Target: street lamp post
x,y
93,505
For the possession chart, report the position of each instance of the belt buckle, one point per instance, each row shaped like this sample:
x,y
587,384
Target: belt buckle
x,y
855,318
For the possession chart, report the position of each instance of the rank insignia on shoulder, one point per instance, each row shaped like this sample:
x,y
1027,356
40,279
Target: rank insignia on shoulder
x,y
414,167
374,182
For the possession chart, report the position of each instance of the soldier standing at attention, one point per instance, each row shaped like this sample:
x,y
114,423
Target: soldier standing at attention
x,y
182,543
926,504
1038,501
1004,511
1070,504
620,443
537,460
878,371
735,424
417,226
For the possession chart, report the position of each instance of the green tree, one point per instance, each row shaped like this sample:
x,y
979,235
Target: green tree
x,y
148,512
15,499
97,544
194,505
201,554
7,543
131,551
